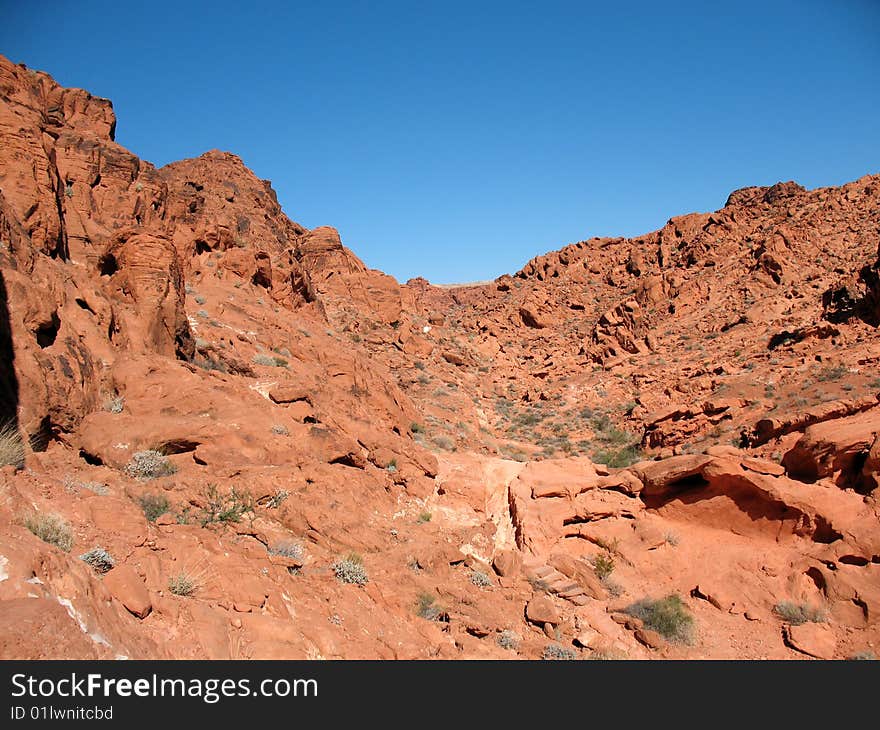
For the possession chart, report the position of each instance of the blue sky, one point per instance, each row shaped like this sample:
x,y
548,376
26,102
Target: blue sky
x,y
456,140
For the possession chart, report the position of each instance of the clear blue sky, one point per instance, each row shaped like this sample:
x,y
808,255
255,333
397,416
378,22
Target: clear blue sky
x,y
456,140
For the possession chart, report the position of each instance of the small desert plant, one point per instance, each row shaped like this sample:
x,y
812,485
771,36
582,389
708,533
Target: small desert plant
x,y
557,652
149,464
269,361
798,613
427,608
416,428
508,639
480,579
424,517
229,508
200,299
11,446
869,656
154,505
672,539
183,583
350,569
114,403
203,314
280,430
277,498
50,528
100,560
392,466
603,565
72,486
668,616
288,549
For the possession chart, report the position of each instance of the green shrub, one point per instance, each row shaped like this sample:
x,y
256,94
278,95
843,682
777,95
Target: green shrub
x,y
424,517
416,428
50,528
154,505
226,508
668,616
100,560
603,565
798,613
149,464
350,569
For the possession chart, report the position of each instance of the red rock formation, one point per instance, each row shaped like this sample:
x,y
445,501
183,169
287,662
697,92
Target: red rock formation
x,y
228,404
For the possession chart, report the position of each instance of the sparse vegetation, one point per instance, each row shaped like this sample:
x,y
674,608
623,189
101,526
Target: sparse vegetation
x,y
100,560
427,608
114,404
603,565
280,430
416,428
11,446
350,569
277,498
556,652
183,584
269,361
50,528
149,464
668,616
72,486
868,656
154,505
508,639
222,509
480,579
799,613
424,517
288,549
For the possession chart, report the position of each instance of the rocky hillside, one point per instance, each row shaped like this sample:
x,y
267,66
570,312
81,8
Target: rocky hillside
x,y
226,437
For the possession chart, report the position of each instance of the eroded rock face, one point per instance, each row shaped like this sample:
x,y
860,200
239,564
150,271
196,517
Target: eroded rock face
x,y
229,404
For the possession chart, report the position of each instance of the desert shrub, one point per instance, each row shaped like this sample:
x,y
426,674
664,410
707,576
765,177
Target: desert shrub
x,y
269,361
603,565
392,466
72,486
149,464
203,314
154,505
277,499
480,579
668,616
427,608
350,569
555,652
230,507
424,517
11,446
183,584
416,428
280,430
288,549
798,613
444,442
50,528
200,299
869,656
114,404
100,560
508,639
